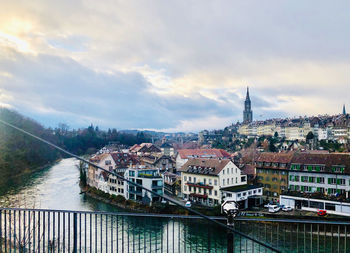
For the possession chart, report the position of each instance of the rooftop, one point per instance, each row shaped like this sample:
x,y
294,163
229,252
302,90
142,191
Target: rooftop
x,y
240,188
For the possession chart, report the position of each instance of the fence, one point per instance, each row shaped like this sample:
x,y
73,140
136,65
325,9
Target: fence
x,y
33,230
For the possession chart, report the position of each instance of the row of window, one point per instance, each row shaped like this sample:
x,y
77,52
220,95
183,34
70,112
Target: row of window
x,y
319,180
269,164
112,188
277,172
316,189
210,181
115,181
228,171
274,179
244,193
268,186
200,190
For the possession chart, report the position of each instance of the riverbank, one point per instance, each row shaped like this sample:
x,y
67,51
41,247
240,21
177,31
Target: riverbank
x,y
156,207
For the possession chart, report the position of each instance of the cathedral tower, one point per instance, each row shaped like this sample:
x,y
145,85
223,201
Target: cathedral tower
x,y
247,113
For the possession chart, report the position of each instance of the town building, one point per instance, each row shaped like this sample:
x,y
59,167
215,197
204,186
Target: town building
x,y
245,195
172,183
324,173
159,161
272,173
145,149
167,149
116,162
202,179
183,155
149,178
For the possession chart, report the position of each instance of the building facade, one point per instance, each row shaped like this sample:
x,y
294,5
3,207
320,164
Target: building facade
x,y
272,173
149,178
202,179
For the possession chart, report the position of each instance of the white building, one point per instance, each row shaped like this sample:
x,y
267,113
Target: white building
x,y
243,195
116,162
149,178
202,179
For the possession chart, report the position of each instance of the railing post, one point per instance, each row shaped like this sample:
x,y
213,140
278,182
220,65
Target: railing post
x,y
75,232
230,235
230,208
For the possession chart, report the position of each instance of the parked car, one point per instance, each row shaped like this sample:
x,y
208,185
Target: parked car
x,y
269,204
274,208
321,212
188,204
287,208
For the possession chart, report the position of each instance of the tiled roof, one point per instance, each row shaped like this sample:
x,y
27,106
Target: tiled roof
x,y
203,153
328,160
204,166
275,157
123,160
248,169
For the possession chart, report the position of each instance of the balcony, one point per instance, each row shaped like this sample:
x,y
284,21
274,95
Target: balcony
x,y
200,185
197,195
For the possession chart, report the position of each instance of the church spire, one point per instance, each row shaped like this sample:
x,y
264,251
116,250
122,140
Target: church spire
x,y
247,96
247,113
344,111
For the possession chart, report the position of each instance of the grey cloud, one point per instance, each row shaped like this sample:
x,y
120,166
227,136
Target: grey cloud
x,y
77,94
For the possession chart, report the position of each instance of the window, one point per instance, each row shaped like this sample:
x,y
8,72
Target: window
x,y
131,173
231,180
311,179
243,179
332,180
228,181
296,178
223,172
210,191
340,181
215,193
194,179
274,179
329,206
185,178
185,188
210,182
108,162
231,170
223,182
320,180
189,179
238,195
215,182
205,181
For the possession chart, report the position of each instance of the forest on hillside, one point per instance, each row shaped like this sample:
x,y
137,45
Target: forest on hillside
x,y
19,152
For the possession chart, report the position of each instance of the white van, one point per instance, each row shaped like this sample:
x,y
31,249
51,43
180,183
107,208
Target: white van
x,y
274,208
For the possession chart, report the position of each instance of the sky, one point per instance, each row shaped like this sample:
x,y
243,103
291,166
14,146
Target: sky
x,y
172,65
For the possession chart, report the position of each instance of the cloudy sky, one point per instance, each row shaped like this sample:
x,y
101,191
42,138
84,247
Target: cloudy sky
x,y
172,65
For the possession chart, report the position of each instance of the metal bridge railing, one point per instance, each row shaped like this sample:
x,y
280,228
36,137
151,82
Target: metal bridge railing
x,y
39,230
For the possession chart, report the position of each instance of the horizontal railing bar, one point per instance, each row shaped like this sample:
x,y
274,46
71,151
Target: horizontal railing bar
x,y
295,221
176,216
